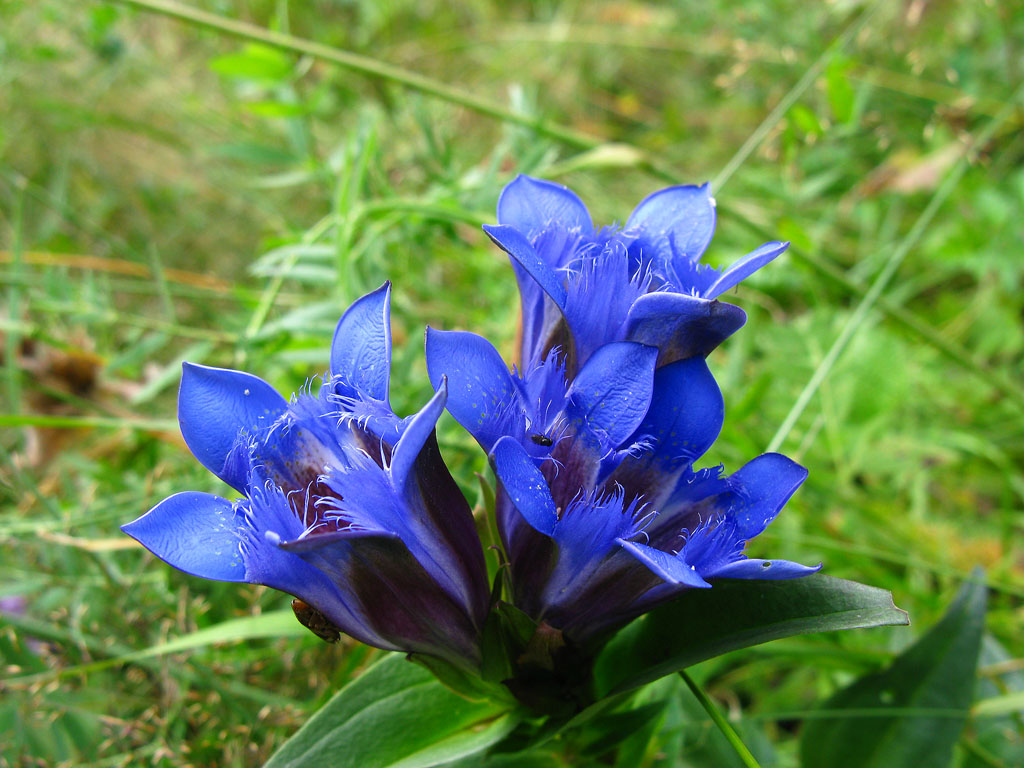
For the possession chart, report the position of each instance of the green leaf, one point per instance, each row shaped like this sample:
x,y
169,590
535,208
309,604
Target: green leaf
x,y
839,91
395,715
462,682
519,760
607,732
269,108
928,688
254,62
806,120
705,746
701,624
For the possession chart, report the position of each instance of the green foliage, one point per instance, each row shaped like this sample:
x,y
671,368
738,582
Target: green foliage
x,y
918,705
396,715
735,614
167,193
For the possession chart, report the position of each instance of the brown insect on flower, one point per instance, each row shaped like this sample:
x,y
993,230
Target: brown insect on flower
x,y
315,622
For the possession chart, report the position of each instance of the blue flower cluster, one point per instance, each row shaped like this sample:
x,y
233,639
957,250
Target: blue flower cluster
x,y
601,510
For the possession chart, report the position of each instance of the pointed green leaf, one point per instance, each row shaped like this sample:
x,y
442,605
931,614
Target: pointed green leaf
x,y
254,62
733,614
839,91
395,715
929,688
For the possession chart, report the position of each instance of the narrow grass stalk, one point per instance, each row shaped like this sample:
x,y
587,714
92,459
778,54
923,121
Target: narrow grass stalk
x,y
365,65
719,720
856,321
79,422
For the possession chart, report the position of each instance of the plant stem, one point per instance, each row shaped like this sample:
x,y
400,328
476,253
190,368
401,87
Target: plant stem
x,y
719,720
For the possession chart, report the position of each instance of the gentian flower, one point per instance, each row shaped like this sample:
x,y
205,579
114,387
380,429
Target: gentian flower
x,y
582,287
601,511
345,506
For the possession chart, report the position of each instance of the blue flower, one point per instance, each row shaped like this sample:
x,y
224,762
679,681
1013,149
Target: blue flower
x,y
582,287
601,509
606,516
345,506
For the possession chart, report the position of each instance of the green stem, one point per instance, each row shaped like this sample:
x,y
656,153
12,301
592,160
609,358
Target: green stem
x,y
83,422
365,65
719,720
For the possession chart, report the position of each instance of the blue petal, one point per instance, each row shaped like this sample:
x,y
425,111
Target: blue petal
x,y
544,388
209,537
482,396
764,569
681,326
419,428
744,268
361,348
610,395
763,486
691,489
591,526
524,484
523,253
271,520
599,295
369,500
195,532
686,411
401,602
672,568
215,405
674,225
530,205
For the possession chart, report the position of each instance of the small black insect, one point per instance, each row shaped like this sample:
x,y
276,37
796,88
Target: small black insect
x,y
542,440
315,622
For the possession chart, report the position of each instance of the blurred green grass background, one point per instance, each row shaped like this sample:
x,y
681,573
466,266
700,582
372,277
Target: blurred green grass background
x,y
170,192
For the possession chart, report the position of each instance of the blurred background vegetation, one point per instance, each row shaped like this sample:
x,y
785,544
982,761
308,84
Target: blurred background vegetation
x,y
172,192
